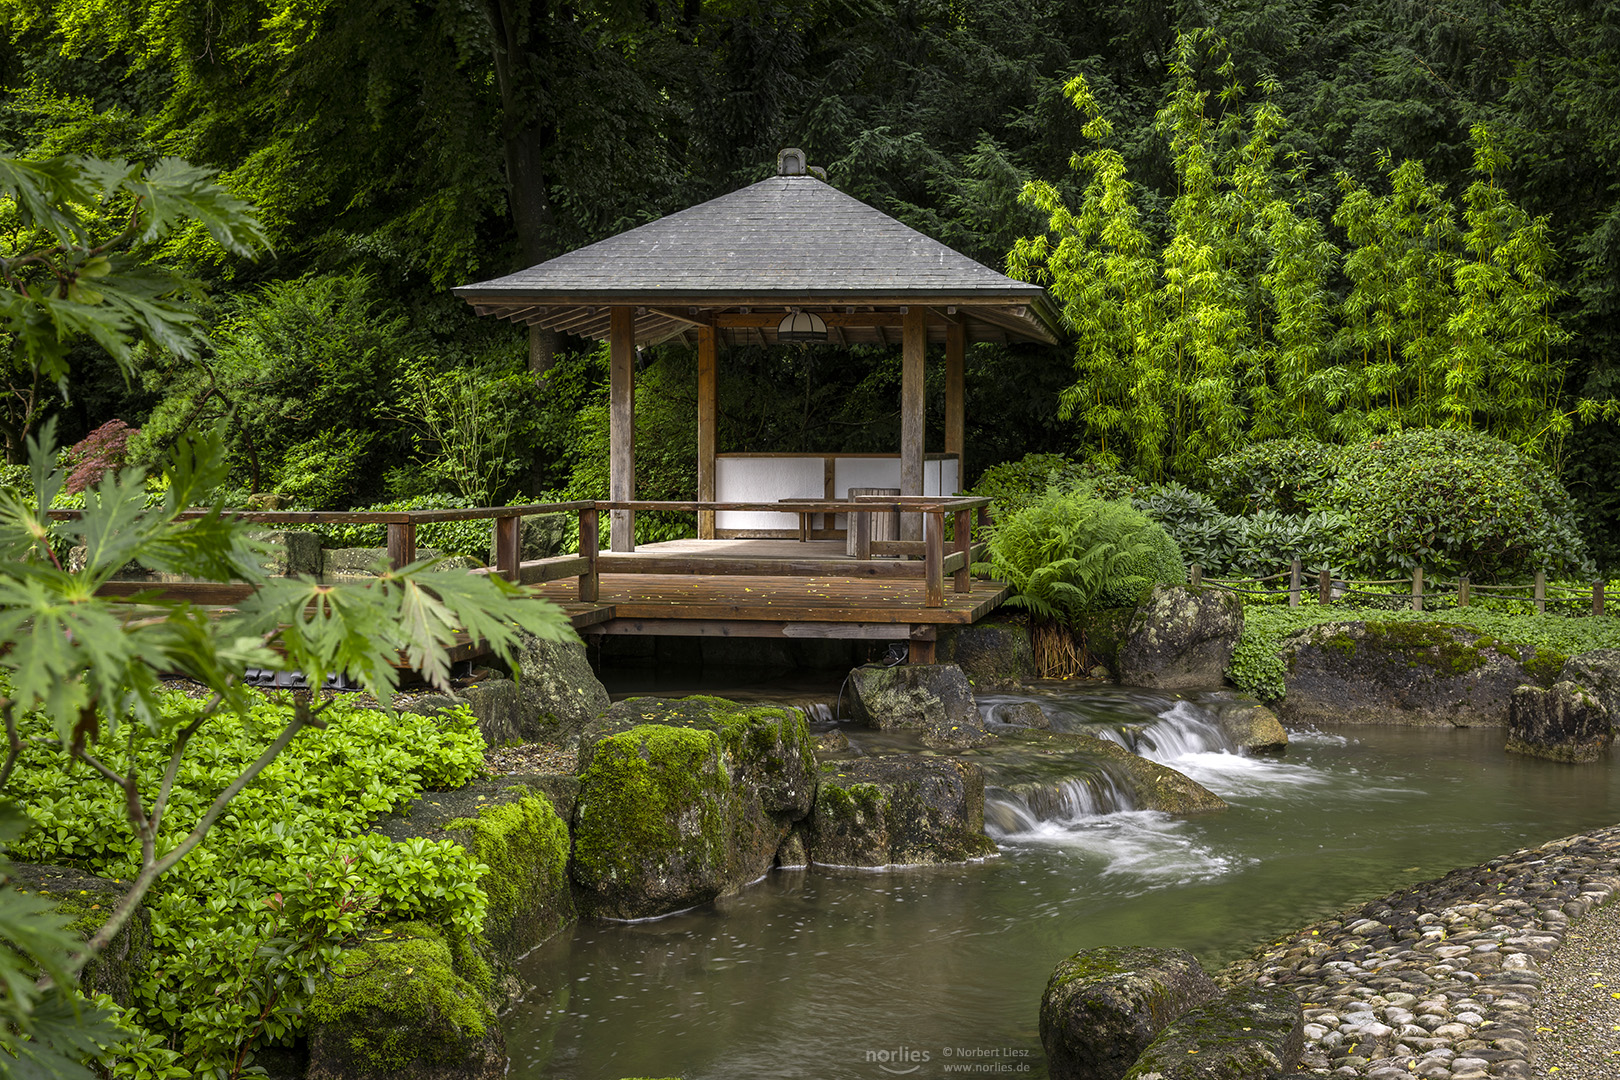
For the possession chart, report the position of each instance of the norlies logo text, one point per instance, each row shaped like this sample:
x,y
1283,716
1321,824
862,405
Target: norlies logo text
x,y
900,1060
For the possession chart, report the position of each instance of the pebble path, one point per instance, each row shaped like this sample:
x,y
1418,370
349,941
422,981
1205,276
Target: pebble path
x,y
1442,979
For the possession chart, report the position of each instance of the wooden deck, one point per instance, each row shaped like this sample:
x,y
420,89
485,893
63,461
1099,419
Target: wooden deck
x,y
836,596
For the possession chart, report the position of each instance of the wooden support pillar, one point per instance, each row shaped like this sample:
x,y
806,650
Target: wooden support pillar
x,y
508,547
590,542
923,639
913,418
401,544
707,396
622,424
955,404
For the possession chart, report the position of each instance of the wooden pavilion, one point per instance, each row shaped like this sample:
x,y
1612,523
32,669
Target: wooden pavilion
x,y
787,258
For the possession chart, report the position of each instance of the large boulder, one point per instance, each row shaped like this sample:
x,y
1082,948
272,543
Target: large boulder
x,y
497,705
558,692
996,652
290,551
1562,723
1102,632
1103,1007
1039,767
543,535
513,825
1181,638
359,564
899,809
686,800
932,699
403,1006
1416,673
1599,672
1248,1034
88,901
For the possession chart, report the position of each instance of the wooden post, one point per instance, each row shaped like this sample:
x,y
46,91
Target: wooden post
x,y
913,420
1597,597
590,542
934,557
1294,572
508,553
1541,591
401,543
860,522
1462,591
1417,589
622,424
963,530
1324,588
1197,577
921,650
955,401
707,397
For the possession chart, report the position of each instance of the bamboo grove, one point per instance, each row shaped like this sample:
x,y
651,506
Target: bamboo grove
x,y
1262,312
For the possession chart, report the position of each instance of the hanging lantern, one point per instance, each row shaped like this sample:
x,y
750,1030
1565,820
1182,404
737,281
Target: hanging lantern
x,y
803,328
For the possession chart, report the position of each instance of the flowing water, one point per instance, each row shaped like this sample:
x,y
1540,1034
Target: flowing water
x,y
823,974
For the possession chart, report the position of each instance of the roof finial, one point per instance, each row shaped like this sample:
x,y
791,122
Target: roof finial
x,y
790,162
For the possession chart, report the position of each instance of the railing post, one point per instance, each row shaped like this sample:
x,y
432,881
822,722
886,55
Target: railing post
x,y
1293,583
934,557
963,527
401,543
1541,591
590,542
861,522
1197,575
1324,588
1597,597
507,547
1462,591
1417,589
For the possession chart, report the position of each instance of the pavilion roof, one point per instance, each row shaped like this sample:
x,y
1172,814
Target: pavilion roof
x,y
741,261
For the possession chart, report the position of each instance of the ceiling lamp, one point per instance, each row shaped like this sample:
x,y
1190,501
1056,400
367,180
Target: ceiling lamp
x,y
801,327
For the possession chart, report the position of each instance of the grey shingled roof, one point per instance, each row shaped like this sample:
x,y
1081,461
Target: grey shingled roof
x,y
789,233
785,240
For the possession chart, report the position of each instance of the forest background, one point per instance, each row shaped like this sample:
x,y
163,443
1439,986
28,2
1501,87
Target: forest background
x,y
398,149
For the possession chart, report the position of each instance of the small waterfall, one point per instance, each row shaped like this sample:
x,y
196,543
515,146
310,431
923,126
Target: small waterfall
x,y
818,712
1020,808
1181,730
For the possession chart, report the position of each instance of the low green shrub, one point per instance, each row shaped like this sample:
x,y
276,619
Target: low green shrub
x,y
1068,553
326,471
1015,485
1256,668
1287,476
1454,502
246,925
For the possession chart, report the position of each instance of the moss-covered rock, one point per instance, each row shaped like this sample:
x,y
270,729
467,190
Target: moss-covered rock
x,y
511,825
1563,723
684,800
1103,1007
1599,672
1248,1034
558,692
1250,725
88,901
1415,673
1180,638
1023,761
933,699
995,652
396,1006
1102,633
899,809
503,718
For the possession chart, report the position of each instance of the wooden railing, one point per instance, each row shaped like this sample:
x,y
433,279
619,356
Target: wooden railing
x,y
1538,593
930,559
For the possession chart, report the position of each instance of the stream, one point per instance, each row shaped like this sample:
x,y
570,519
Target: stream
x,y
851,973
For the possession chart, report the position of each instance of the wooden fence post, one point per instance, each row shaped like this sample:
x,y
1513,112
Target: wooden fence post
x,y
401,543
1541,591
1197,575
1417,589
1293,583
1324,588
963,528
934,558
1597,597
1462,591
507,547
590,542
